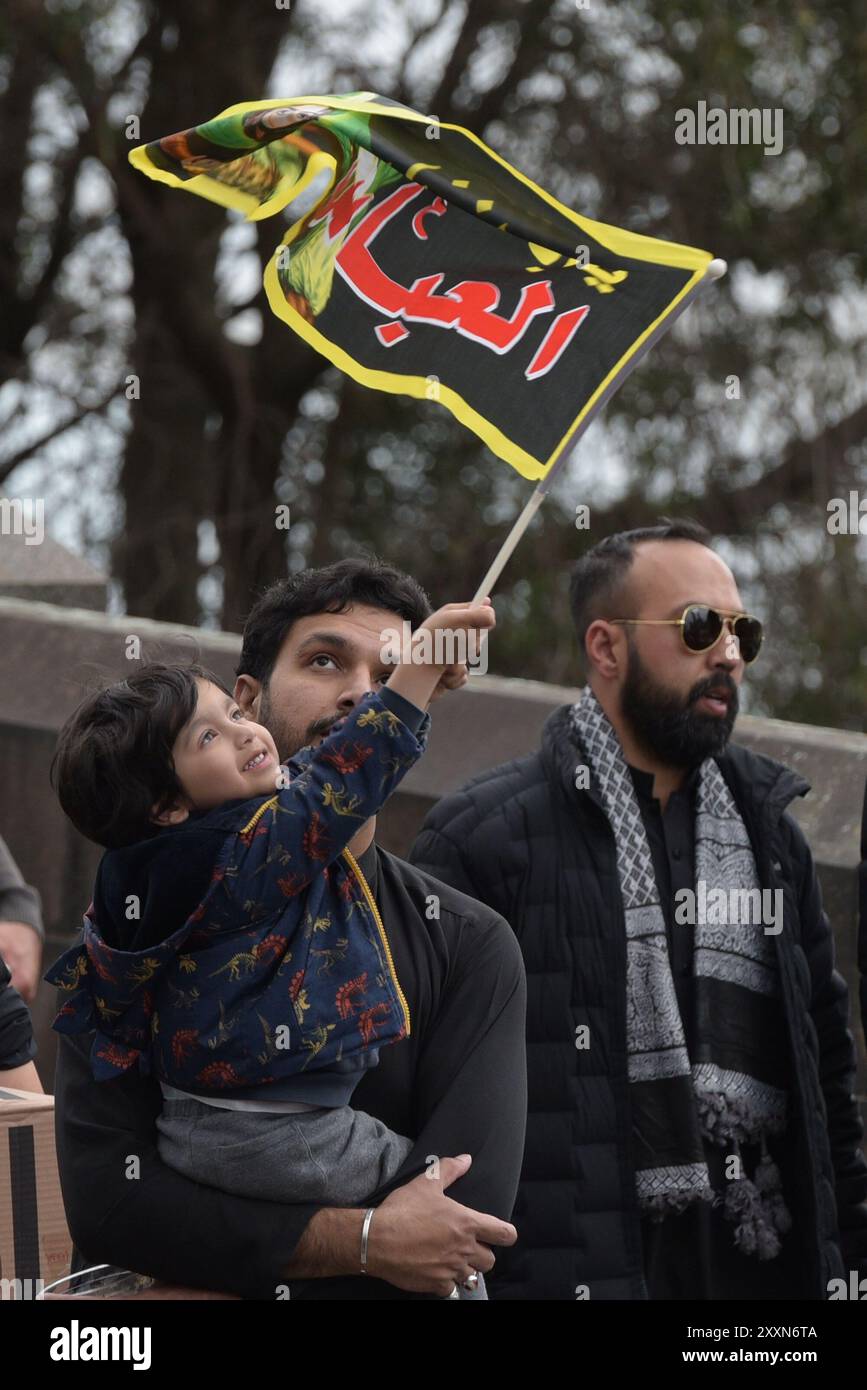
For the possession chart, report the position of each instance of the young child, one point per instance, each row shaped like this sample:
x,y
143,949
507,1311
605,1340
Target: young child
x,y
233,948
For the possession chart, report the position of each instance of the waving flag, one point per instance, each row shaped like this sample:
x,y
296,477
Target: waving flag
x,y
420,262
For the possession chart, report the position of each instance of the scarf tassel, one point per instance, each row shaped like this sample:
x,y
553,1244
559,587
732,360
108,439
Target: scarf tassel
x,y
769,1184
757,1210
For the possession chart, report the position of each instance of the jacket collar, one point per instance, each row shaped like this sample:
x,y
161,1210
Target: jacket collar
x,y
760,786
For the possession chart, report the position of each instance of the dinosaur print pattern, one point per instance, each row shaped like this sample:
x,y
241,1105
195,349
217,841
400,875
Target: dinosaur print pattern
x,y
287,943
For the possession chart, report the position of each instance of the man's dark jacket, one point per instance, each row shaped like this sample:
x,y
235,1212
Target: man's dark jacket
x,y
523,839
862,926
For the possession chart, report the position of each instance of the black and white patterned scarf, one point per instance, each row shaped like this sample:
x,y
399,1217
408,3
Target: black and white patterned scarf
x,y
732,1091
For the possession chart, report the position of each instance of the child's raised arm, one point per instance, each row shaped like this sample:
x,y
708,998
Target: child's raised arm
x,y
347,779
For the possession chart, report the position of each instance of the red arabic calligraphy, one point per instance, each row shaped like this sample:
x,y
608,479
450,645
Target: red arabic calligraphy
x,y
556,341
347,198
470,307
437,208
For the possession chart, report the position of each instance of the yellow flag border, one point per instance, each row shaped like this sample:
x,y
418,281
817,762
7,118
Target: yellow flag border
x,y
632,245
417,386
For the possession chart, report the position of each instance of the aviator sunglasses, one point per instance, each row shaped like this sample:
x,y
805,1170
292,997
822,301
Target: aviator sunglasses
x,y
701,628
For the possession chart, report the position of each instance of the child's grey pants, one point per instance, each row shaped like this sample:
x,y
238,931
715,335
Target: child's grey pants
x,y
333,1157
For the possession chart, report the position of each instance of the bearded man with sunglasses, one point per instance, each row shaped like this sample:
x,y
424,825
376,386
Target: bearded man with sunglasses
x,y
692,1132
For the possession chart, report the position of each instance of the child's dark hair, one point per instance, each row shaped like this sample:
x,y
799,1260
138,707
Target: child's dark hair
x,y
113,763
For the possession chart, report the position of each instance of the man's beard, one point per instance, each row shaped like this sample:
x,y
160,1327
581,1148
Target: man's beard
x,y
290,740
668,726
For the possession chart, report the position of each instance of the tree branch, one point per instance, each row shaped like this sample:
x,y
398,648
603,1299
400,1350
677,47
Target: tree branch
x,y
7,465
479,14
528,51
404,91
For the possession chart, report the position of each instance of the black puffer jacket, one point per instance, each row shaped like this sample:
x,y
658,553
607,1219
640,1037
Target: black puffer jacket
x,y
522,839
862,928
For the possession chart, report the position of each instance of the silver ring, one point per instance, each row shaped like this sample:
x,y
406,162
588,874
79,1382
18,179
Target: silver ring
x,y
471,1283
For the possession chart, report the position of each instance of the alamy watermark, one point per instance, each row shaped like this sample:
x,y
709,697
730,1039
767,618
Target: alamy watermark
x,y
723,907
23,516
77,1343
847,516
854,1288
21,1290
735,126
444,647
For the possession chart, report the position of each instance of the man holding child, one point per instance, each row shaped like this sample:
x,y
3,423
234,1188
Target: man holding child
x,y
443,1109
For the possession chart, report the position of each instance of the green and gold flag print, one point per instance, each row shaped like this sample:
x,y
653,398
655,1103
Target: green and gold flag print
x,y
420,262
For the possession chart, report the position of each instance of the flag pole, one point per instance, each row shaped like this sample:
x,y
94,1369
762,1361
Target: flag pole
x,y
715,270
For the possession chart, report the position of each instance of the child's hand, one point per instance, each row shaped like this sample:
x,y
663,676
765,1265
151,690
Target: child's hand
x,y
452,678
455,630
460,617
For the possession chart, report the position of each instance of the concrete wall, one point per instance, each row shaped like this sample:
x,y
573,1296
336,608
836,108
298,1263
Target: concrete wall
x,y
52,656
45,571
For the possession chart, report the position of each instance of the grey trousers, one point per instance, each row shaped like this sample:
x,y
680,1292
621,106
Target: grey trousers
x,y
333,1157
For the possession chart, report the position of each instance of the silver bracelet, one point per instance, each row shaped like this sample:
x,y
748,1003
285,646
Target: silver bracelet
x,y
365,1231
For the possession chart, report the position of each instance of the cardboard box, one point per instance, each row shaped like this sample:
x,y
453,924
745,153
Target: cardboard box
x,y
35,1244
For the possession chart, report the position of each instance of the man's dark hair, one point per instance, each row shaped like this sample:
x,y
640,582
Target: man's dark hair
x,y
113,763
598,582
331,589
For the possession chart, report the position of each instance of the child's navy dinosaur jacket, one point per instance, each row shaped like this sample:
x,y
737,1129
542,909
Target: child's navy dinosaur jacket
x,y
279,971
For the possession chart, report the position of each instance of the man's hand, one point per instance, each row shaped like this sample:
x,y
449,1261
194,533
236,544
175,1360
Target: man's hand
x,y
422,1241
21,949
419,1239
